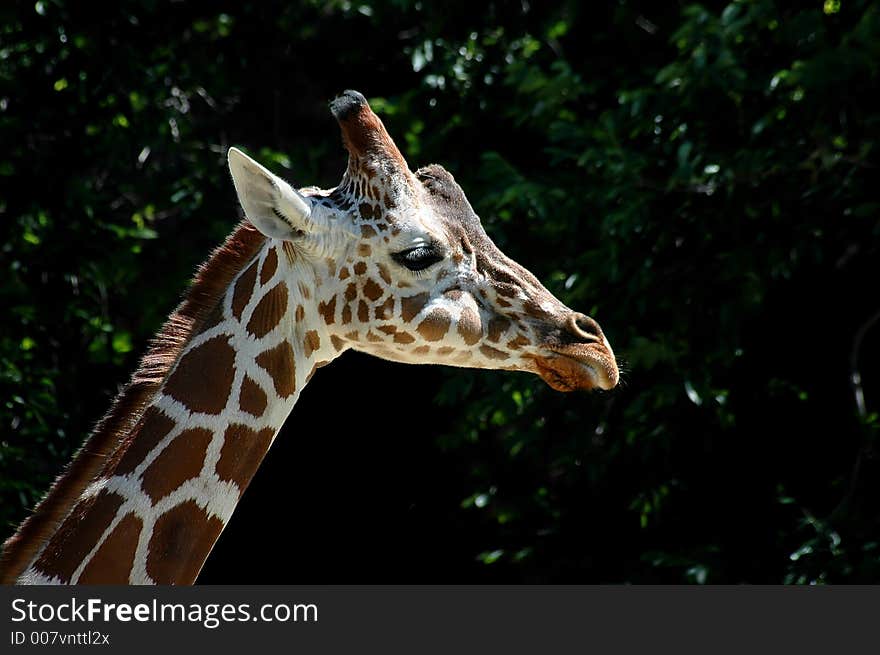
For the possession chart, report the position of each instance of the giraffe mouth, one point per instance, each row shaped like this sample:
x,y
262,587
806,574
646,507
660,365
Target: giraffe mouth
x,y
579,366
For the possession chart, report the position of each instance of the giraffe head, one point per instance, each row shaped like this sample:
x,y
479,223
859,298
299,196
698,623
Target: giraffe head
x,y
402,268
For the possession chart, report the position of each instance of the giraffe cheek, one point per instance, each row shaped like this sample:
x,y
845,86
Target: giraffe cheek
x,y
385,311
435,325
469,326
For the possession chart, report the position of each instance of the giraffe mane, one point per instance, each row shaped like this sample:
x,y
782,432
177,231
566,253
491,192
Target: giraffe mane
x,y
208,286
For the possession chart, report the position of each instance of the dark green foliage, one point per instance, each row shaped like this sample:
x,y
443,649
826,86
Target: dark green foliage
x,y
702,179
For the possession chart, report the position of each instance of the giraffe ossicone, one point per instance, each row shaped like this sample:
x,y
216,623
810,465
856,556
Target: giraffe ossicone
x,y
391,262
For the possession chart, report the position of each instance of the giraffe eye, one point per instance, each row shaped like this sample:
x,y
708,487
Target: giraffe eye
x,y
419,258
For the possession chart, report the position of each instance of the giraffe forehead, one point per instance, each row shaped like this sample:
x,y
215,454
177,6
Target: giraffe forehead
x,y
402,228
380,201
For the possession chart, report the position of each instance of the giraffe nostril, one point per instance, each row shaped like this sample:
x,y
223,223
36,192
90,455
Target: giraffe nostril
x,y
584,327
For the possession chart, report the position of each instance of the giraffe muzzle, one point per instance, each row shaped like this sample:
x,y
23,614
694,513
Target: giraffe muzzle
x,y
582,360
572,368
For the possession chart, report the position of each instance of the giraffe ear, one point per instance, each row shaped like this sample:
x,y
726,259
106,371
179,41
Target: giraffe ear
x,y
274,207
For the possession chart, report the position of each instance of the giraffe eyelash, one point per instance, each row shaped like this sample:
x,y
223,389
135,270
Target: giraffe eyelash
x,y
419,259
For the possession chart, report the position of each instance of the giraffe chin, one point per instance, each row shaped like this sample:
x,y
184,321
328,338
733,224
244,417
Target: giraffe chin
x,y
578,369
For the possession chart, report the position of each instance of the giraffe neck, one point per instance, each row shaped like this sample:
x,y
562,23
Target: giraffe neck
x,y
165,494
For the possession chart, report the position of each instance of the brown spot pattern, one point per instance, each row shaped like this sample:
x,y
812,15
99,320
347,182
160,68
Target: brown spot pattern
x,y
244,287
351,292
372,290
289,251
518,342
269,266
79,533
497,327
412,305
152,428
213,319
269,311
360,268
346,314
182,538
243,450
326,309
338,343
363,312
435,326
311,343
180,461
113,561
252,398
469,326
203,378
493,353
279,364
343,273
364,250
533,309
404,337
383,272
367,232
385,311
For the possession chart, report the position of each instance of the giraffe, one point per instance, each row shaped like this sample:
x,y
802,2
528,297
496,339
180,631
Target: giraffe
x,y
390,262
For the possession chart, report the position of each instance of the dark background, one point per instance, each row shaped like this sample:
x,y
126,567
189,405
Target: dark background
x,y
702,179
